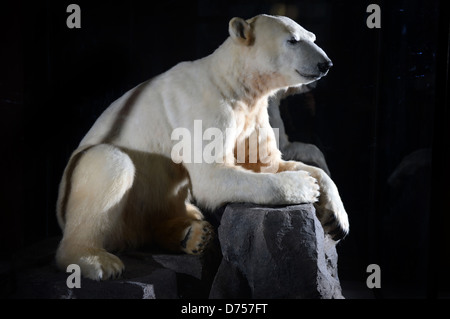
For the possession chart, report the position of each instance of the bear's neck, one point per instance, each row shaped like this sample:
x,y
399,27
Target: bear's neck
x,y
232,70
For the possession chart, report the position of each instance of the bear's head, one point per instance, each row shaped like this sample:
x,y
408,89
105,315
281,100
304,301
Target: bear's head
x,y
278,45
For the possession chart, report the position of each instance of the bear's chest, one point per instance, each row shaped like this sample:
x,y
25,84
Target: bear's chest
x,y
249,118
251,121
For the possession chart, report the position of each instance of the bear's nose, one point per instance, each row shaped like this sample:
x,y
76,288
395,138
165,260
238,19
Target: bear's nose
x,y
324,66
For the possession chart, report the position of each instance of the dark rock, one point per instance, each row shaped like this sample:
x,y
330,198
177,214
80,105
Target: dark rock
x,y
268,252
278,252
147,275
49,283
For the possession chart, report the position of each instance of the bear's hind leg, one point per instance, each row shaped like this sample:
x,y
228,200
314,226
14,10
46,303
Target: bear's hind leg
x,y
95,193
194,212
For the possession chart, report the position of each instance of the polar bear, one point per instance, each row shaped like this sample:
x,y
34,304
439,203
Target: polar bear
x,y
122,187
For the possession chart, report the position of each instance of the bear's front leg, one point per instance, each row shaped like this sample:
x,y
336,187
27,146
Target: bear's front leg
x,y
330,209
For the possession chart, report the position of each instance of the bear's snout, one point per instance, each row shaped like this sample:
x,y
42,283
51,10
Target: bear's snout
x,y
324,66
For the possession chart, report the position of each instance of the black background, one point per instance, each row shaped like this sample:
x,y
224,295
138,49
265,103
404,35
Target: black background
x,y
383,102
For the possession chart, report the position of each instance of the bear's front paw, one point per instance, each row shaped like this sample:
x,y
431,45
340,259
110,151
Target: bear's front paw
x,y
197,237
298,187
334,219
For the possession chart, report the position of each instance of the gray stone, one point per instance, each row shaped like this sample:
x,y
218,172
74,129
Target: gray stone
x,y
275,252
268,252
148,274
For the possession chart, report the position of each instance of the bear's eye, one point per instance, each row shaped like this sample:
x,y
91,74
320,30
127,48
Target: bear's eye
x,y
293,41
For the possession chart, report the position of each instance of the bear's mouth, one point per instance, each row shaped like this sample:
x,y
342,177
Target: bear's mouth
x,y
308,76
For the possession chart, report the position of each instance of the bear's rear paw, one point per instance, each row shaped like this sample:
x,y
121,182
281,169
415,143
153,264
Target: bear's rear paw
x,y
95,264
197,237
101,266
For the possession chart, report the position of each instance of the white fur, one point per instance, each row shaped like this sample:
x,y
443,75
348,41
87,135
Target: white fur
x,y
208,89
228,89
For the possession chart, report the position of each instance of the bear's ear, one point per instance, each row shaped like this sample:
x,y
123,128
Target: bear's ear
x,y
312,36
241,31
